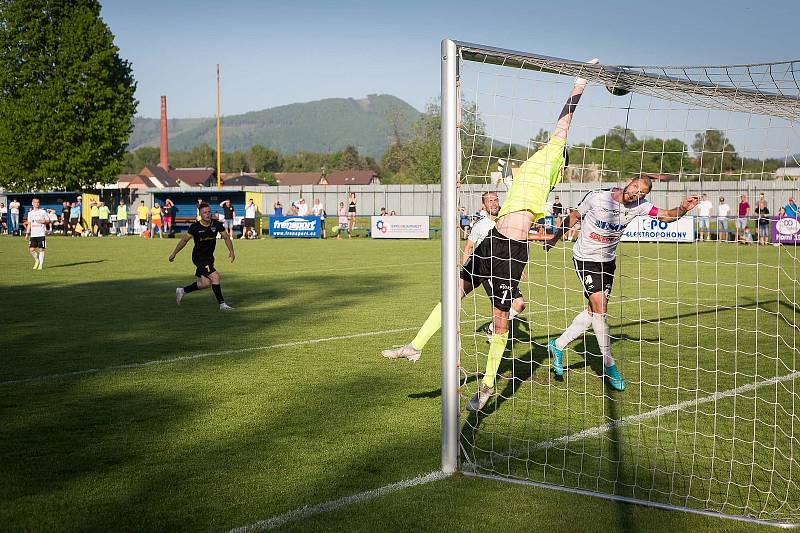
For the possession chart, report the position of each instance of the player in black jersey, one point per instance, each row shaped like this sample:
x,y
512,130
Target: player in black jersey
x,y
204,232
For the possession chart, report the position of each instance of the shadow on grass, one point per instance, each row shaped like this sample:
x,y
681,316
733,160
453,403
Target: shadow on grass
x,y
65,265
106,323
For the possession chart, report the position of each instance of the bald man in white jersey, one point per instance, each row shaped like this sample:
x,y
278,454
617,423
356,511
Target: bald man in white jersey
x,y
35,230
604,215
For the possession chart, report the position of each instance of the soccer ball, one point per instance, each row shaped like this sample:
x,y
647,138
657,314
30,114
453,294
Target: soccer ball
x,y
335,231
617,91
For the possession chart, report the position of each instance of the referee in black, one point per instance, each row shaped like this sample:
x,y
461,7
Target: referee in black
x,y
204,232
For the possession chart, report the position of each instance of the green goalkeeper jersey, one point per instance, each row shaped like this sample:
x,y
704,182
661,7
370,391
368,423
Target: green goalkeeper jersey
x,y
535,179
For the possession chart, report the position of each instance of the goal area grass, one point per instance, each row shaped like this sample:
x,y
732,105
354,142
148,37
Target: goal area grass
x,y
121,411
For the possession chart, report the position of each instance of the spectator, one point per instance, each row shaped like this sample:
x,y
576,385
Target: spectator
x,y
122,218
155,221
94,213
168,215
3,221
744,213
393,213
75,218
344,220
228,212
13,209
782,212
249,218
141,213
81,220
302,207
197,208
463,221
351,211
385,213
762,221
318,210
52,219
746,237
558,211
66,210
723,210
704,215
278,207
103,214
791,208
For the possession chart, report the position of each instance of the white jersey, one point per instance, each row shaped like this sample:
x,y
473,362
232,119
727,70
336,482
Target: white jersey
x,y
481,230
705,207
250,211
723,210
603,222
38,220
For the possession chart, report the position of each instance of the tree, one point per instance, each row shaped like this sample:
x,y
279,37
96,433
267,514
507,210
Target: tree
x,y
349,159
66,96
715,153
268,177
261,158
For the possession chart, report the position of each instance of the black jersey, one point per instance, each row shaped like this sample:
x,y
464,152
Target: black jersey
x,y
205,239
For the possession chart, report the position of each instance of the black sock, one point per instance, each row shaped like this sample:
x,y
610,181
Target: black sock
x,y
218,293
191,288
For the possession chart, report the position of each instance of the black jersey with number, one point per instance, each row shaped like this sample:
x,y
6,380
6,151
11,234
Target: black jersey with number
x,y
205,239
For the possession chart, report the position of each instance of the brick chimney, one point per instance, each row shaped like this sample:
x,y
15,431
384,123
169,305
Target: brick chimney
x,y
164,144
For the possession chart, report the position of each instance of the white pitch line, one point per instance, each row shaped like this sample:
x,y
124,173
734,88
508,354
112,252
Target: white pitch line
x,y
200,356
308,511
632,419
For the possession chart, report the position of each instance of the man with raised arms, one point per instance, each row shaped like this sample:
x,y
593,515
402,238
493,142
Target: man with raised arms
x,y
604,215
504,254
467,283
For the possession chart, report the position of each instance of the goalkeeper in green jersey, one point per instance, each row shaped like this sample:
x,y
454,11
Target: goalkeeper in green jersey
x,y
503,255
467,283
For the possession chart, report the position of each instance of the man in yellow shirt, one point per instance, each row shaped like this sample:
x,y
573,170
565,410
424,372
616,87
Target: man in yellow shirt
x,y
503,255
155,221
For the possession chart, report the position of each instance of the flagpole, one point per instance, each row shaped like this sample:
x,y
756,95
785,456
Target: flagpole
x,y
219,155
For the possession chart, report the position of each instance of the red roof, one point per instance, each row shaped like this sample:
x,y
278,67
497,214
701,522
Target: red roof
x,y
298,178
193,177
350,177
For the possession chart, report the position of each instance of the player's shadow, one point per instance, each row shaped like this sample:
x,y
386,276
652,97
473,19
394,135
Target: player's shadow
x,y
66,265
520,333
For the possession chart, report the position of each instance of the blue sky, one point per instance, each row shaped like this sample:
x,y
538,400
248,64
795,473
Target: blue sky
x,y
275,53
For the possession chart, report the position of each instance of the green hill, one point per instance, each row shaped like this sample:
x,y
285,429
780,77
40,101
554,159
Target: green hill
x,y
322,126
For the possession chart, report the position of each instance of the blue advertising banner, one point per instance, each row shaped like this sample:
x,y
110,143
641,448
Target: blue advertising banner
x,y
297,227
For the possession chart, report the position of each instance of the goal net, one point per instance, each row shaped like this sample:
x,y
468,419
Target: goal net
x,y
704,332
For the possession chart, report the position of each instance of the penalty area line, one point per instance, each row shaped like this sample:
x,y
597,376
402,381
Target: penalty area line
x,y
307,511
154,362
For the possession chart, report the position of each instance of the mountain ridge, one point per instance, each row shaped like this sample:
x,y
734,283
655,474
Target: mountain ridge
x,y
324,125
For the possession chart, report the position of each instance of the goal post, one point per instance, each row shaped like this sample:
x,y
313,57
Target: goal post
x,y
706,332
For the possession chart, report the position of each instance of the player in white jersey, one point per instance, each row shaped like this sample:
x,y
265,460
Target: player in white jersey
x,y
35,230
604,215
468,280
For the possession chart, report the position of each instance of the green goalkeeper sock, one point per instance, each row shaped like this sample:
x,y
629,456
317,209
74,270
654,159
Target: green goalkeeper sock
x,y
431,326
496,348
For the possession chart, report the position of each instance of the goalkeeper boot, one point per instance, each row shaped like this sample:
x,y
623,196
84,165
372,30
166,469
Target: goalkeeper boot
x,y
614,377
480,398
403,352
557,364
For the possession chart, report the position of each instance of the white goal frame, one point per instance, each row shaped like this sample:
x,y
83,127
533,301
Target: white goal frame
x,y
452,54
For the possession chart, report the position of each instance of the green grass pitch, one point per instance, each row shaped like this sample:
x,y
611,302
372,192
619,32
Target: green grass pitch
x,y
286,402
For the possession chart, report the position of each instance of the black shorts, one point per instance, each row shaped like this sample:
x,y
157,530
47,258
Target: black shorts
x,y
249,222
37,242
497,264
595,277
205,266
